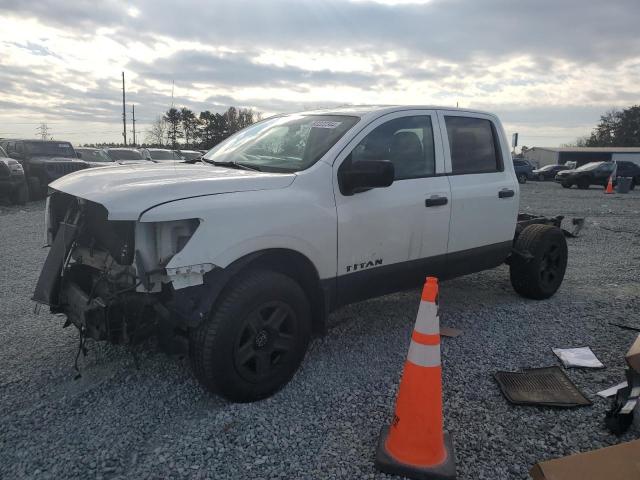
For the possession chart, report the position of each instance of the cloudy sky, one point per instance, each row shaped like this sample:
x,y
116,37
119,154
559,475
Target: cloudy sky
x,y
549,68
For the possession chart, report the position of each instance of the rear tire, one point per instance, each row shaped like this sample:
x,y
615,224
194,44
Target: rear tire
x,y
522,178
566,185
255,338
20,195
633,184
35,188
541,276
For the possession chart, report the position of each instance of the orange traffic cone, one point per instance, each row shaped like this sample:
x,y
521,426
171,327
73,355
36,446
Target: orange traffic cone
x,y
415,444
609,188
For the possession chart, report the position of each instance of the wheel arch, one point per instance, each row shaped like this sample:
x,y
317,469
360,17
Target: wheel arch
x,y
282,260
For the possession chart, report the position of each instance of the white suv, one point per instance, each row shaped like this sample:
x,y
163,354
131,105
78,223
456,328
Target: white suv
x,y
244,256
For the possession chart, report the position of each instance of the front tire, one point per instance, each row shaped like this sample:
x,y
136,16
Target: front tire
x,y
583,183
35,188
20,195
539,272
566,185
522,178
255,338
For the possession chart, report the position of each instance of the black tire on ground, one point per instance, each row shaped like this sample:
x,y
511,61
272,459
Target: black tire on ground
x,y
541,276
541,178
566,185
35,188
583,183
633,184
522,178
20,195
255,338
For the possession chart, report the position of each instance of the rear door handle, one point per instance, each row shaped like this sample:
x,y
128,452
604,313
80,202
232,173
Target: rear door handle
x,y
506,193
436,201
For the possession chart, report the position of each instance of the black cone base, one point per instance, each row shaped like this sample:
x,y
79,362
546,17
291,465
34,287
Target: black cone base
x,y
387,464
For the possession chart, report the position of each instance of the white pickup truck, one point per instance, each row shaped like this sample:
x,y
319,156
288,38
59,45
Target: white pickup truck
x,y
244,255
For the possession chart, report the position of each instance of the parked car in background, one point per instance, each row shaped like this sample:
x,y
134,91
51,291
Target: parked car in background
x,y
43,161
95,157
12,180
161,155
125,155
548,172
524,170
598,173
191,155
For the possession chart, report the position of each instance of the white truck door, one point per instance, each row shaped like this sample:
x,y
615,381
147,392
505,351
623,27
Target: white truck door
x,y
484,191
390,238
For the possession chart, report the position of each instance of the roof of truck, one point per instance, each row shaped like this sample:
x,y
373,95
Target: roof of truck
x,y
377,110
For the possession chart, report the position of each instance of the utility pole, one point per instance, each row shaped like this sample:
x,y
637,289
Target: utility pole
x,y
124,115
43,131
133,120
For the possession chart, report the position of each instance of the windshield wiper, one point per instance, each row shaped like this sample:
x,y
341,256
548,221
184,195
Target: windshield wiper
x,y
239,166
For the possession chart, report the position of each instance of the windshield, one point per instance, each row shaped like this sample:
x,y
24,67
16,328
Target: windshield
x,y
92,155
589,166
288,143
122,154
162,155
50,149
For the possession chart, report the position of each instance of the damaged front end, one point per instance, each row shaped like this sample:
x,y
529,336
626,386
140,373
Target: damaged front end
x,y
110,277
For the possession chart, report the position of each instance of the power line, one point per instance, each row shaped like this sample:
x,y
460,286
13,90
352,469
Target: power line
x,y
133,114
43,131
124,115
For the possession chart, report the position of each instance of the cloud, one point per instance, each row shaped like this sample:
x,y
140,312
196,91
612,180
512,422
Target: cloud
x,y
543,64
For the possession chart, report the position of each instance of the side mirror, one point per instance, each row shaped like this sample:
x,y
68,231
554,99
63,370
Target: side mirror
x,y
355,177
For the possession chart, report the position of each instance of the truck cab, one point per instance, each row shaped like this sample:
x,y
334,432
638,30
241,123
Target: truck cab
x,y
244,255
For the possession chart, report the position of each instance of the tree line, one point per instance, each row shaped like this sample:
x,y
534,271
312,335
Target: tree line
x,y
617,128
182,126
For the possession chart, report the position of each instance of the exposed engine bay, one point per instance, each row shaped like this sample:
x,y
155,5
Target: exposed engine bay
x,y
105,286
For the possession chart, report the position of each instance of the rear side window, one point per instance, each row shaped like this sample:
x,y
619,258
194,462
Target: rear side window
x,y
473,145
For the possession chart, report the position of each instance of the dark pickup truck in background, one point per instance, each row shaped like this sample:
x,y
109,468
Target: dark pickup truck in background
x,y
43,161
598,173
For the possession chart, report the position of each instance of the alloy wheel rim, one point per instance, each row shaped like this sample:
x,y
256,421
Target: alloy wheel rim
x,y
265,342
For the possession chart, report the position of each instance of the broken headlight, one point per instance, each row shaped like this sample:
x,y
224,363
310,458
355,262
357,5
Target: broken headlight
x,y
171,237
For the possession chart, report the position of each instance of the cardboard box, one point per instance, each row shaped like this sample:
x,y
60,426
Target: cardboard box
x,y
633,355
620,462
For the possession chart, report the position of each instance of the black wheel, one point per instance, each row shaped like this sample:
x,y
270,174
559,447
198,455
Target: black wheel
x,y
255,339
522,178
566,184
541,178
20,195
583,183
35,188
633,184
538,270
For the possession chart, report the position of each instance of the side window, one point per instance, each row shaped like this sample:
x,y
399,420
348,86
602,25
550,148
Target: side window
x,y
473,145
407,142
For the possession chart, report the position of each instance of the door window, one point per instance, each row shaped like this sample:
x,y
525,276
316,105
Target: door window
x,y
407,142
473,145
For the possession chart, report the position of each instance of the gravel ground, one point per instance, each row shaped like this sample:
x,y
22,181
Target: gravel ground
x,y
156,422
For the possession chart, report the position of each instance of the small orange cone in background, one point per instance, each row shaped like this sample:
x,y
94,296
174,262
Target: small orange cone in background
x,y
609,188
415,444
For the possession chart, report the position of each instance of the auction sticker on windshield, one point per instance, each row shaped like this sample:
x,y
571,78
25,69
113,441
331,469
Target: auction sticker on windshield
x,y
324,124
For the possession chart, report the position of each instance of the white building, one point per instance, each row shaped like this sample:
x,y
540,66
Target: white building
x,y
541,156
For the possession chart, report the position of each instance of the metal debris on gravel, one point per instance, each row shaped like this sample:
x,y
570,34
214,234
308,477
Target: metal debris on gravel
x,y
117,421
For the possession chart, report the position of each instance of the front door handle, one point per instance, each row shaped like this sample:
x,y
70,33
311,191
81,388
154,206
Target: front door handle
x,y
436,201
506,193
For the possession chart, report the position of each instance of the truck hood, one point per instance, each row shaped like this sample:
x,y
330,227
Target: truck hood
x,y
126,191
56,159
